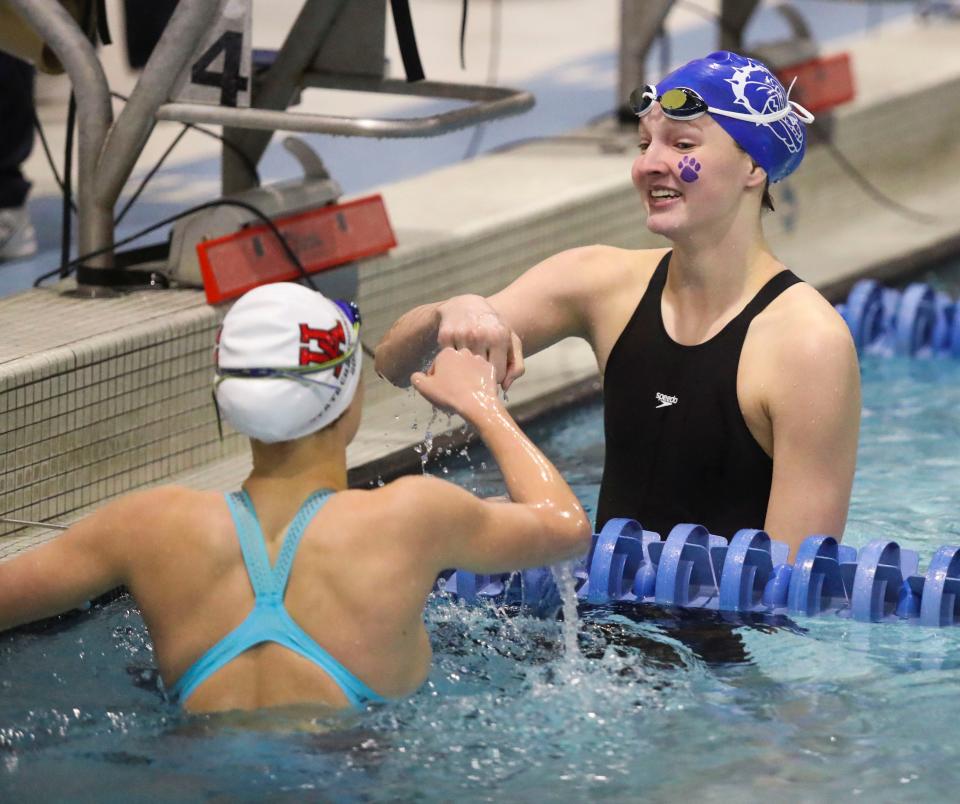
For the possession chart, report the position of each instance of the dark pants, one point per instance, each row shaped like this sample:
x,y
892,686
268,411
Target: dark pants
x,y
16,128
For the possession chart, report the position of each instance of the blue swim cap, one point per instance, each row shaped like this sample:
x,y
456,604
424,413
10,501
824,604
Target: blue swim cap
x,y
729,82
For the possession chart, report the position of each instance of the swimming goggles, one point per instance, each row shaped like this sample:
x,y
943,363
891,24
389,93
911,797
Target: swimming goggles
x,y
299,373
683,103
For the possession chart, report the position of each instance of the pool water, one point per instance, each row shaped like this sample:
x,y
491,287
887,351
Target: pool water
x,y
655,704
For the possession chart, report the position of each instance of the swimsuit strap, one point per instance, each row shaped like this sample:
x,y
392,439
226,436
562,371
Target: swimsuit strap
x,y
281,570
252,544
264,579
261,624
774,286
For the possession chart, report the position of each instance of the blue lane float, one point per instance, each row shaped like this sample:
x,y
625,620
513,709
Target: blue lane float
x,y
916,322
693,568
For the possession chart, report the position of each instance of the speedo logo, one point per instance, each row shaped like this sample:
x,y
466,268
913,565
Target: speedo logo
x,y
666,401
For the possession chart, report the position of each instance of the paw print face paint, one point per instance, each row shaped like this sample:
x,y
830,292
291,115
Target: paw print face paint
x,y
689,169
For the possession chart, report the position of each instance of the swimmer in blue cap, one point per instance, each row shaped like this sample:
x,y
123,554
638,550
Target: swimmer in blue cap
x,y
296,589
744,98
730,387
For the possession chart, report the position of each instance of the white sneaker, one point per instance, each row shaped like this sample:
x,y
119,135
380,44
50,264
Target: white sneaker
x,y
18,238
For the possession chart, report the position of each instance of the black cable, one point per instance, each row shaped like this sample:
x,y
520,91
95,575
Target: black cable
x,y
46,150
66,191
871,189
65,220
220,202
150,174
247,163
839,157
463,36
67,186
862,181
493,70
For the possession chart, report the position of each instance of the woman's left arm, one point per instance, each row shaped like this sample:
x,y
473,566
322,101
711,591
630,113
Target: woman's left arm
x,y
814,407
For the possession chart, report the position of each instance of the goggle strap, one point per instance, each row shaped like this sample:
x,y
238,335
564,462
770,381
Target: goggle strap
x,y
313,368
216,407
792,107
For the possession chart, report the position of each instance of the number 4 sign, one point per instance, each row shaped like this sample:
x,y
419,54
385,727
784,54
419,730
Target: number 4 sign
x,y
219,72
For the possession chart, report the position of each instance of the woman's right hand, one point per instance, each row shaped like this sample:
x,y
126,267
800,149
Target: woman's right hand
x,y
470,322
459,382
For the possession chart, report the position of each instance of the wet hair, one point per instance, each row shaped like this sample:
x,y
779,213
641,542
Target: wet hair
x,y
767,201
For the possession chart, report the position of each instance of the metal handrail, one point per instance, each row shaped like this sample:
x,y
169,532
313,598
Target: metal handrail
x,y
108,149
94,116
489,103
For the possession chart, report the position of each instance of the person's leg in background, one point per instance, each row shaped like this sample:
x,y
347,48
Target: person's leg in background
x,y
17,236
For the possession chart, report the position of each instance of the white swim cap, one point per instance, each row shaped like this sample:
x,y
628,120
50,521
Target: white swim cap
x,y
288,362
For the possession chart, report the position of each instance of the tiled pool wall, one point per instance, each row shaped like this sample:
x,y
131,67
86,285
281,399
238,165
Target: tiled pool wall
x,y
102,396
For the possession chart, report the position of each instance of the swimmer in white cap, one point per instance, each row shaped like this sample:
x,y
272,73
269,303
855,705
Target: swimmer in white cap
x,y
296,589
731,388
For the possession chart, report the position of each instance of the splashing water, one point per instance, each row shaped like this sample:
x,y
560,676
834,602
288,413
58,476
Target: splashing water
x,y
655,704
423,449
563,575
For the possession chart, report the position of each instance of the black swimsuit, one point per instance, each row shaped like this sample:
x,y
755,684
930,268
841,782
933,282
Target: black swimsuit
x,y
677,446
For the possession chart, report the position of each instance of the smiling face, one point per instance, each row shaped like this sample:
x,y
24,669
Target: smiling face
x,y
692,176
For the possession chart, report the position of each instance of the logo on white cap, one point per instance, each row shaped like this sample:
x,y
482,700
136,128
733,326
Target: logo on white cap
x,y
288,362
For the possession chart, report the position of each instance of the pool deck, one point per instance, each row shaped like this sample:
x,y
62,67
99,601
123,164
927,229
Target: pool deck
x,y
103,396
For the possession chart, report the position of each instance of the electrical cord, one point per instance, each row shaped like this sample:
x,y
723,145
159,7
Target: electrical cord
x,y
224,202
150,174
822,137
67,265
874,192
65,220
66,191
871,189
46,150
463,36
220,202
247,162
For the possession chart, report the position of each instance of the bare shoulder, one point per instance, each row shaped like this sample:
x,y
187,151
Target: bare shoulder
x,y
599,275
403,517
609,266
172,502
166,512
802,345
803,326
619,279
408,499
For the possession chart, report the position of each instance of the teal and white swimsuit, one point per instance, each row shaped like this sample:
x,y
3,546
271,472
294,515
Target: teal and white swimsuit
x,y
269,621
